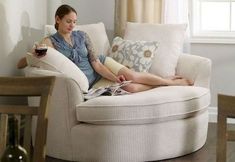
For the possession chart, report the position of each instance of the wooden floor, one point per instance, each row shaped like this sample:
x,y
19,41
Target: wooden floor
x,y
206,154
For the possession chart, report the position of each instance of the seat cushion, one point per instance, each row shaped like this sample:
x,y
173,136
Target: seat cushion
x,y
155,105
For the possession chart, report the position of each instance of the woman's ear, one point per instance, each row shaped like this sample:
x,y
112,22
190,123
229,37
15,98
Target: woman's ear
x,y
57,19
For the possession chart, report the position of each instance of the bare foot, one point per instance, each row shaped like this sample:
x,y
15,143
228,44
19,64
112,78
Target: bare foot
x,y
190,82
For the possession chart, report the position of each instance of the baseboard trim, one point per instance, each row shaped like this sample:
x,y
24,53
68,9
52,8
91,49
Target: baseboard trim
x,y
213,116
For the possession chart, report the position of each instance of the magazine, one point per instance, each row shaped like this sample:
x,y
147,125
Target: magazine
x,y
112,90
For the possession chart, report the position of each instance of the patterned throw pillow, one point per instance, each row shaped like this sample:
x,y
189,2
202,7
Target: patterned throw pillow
x,y
136,55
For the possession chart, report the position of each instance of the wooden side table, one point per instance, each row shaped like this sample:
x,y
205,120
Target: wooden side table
x,y
26,87
226,109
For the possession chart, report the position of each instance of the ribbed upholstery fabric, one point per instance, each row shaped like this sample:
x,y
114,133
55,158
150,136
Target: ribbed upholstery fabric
x,y
141,142
159,104
196,68
65,96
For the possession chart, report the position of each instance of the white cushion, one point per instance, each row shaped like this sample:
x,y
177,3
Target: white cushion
x,y
96,33
136,55
155,105
170,38
56,61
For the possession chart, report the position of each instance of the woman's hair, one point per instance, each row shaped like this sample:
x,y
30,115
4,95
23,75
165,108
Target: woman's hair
x,y
62,11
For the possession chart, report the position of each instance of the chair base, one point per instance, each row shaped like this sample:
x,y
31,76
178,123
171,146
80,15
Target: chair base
x,y
147,142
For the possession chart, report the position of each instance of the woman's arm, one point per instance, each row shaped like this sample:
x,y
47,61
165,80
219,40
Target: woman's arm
x,y
90,48
22,63
97,65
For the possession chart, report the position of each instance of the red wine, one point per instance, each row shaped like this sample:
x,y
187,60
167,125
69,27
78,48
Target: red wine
x,y
41,51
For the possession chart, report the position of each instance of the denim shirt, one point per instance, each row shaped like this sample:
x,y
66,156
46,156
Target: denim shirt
x,y
77,53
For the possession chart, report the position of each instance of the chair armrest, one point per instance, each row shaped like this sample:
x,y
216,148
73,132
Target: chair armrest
x,y
35,71
195,68
66,95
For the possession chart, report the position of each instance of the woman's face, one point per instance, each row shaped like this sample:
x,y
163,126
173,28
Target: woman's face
x,y
67,23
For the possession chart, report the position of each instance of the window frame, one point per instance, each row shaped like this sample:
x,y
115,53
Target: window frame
x,y
200,36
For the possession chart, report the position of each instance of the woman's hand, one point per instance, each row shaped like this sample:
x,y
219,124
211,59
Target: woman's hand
x,y
120,78
39,49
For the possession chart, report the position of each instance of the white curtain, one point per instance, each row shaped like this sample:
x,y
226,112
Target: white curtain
x,y
174,11
177,12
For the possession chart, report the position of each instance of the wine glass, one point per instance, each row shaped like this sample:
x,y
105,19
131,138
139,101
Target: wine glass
x,y
40,49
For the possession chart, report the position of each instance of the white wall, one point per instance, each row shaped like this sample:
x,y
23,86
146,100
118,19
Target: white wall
x,y
223,67
93,11
21,24
52,5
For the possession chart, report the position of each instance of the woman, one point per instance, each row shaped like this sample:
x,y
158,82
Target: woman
x,y
76,45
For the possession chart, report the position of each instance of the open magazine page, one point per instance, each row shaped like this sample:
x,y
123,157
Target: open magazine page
x,y
112,90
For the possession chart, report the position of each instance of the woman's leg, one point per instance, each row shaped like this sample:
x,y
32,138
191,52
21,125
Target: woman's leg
x,y
136,87
152,80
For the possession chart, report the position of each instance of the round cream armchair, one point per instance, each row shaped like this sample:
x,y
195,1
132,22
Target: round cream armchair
x,y
157,124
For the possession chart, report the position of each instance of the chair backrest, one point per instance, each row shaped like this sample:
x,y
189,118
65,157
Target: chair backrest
x,y
95,31
25,87
170,38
